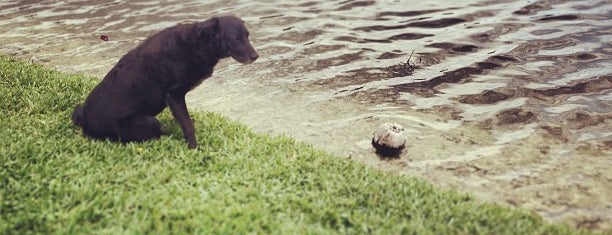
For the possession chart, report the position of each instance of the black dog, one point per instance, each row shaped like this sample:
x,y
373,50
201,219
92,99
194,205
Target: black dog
x,y
159,72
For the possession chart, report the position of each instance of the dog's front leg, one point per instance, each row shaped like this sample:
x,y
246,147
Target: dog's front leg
x,y
178,107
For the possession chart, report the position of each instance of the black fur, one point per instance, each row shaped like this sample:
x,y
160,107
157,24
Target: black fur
x,y
159,73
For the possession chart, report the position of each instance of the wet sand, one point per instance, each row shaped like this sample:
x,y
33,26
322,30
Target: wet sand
x,y
509,101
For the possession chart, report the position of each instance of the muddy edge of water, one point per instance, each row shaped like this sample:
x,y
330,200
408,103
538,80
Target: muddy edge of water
x,y
509,101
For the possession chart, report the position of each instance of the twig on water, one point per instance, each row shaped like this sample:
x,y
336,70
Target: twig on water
x,y
409,57
402,69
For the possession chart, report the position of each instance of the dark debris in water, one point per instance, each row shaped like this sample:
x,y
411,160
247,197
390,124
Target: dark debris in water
x,y
402,69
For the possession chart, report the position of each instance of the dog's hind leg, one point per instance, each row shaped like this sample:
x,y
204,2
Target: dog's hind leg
x,y
139,128
77,115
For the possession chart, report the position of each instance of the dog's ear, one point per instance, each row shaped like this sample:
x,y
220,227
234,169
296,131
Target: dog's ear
x,y
209,29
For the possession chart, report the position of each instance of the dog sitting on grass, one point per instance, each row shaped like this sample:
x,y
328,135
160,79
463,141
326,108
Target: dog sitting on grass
x,y
159,73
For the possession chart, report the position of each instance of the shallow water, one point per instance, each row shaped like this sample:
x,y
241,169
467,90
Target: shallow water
x,y
508,100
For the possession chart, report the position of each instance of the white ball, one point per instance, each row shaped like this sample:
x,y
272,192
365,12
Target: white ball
x,y
389,139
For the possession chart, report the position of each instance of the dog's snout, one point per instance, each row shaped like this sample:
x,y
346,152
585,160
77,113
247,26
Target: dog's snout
x,y
254,56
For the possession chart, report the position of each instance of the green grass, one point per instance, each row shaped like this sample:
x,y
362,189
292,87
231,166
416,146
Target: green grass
x,y
55,181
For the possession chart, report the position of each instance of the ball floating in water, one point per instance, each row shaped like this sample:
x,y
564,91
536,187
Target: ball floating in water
x,y
389,139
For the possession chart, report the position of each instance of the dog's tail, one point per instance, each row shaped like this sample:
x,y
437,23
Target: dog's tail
x,y
77,115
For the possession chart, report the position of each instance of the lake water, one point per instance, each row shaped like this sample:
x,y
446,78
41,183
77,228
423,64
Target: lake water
x,y
508,100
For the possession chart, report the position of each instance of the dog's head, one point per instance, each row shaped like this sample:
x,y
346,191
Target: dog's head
x,y
233,37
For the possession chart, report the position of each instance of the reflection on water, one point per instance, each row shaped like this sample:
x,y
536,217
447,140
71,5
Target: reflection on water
x,y
509,100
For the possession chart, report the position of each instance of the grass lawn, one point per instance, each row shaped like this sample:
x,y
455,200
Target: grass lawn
x,y
55,181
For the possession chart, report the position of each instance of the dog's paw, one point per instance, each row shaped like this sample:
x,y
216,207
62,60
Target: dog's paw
x,y
192,145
